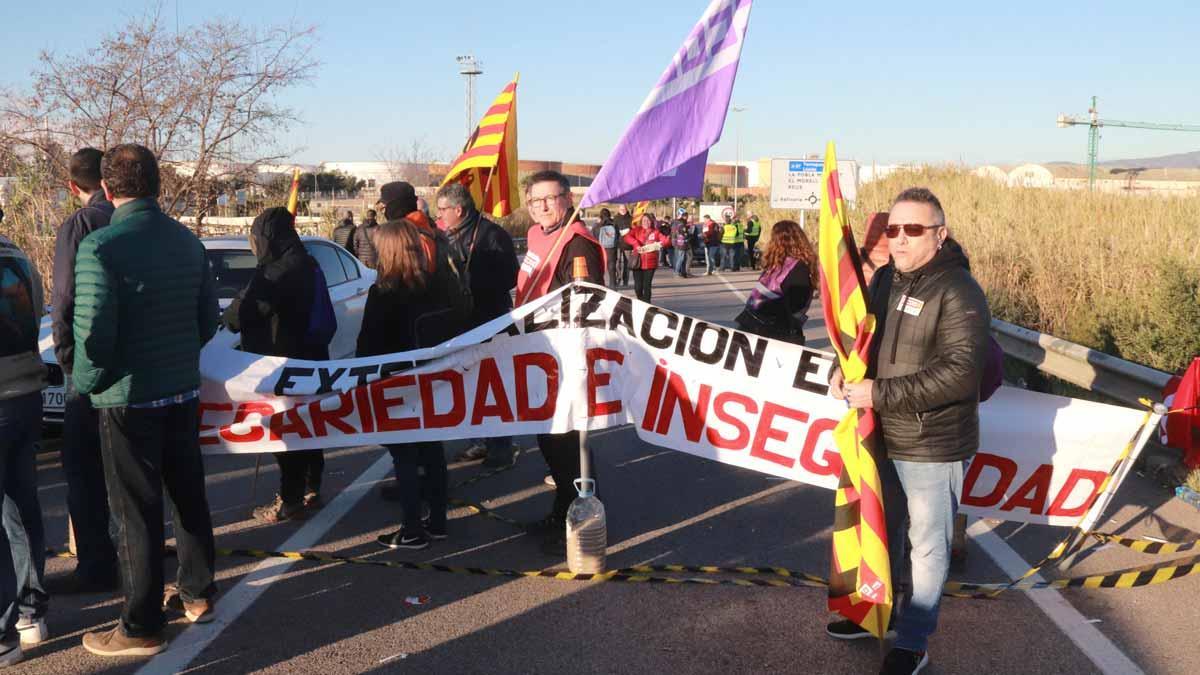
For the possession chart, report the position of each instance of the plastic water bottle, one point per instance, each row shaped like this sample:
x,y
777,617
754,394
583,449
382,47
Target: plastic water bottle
x,y
1187,494
587,531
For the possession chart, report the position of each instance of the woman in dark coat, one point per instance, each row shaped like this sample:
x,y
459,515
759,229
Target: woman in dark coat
x,y
273,314
778,305
409,307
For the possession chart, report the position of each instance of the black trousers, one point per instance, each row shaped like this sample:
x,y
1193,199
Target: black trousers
x,y
144,450
87,499
406,459
300,471
611,255
642,280
561,452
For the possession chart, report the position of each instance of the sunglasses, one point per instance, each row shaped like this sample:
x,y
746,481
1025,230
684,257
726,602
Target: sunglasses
x,y
910,229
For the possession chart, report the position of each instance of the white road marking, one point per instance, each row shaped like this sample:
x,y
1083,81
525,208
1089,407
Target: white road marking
x,y
1094,644
741,296
646,457
231,604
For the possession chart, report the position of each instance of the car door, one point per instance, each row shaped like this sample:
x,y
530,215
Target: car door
x,y
340,293
360,278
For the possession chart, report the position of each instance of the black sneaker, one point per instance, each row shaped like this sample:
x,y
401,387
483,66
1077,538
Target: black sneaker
x,y
401,539
903,662
848,630
435,533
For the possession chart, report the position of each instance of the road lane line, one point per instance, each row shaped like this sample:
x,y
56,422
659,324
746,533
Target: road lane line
x,y
1107,657
741,296
231,604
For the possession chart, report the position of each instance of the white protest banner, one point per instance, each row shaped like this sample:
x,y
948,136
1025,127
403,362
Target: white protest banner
x,y
585,356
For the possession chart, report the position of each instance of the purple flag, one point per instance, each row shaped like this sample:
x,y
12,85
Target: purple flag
x,y
665,149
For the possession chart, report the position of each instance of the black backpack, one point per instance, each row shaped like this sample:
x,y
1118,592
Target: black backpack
x,y
451,281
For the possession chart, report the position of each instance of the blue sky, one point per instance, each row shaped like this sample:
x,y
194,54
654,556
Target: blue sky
x,y
918,81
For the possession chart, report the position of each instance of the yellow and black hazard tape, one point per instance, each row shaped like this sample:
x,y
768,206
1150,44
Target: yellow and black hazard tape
x,y
1146,546
1132,577
612,576
804,578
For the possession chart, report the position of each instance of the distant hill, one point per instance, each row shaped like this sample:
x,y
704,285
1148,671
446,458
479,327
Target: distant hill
x,y
1183,160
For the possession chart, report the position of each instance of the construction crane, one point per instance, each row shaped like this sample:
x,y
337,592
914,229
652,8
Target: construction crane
x,y
1094,123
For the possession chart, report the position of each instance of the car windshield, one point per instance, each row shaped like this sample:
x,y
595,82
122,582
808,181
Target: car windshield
x,y
232,270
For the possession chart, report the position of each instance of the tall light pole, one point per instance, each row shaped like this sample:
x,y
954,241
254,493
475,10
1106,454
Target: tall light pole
x,y
737,168
469,68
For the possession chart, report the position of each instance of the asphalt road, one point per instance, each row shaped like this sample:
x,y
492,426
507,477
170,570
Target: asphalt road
x,y
663,507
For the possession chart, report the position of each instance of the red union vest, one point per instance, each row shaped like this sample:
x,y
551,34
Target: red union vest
x,y
544,252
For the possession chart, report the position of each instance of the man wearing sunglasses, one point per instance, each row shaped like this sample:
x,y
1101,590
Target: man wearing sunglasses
x,y
927,360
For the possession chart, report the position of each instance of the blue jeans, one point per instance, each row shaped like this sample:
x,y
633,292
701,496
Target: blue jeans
x,y
712,258
407,458
22,540
926,494
682,258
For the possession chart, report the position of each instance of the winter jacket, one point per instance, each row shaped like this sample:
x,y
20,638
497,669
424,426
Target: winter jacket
x,y
21,369
928,357
782,304
93,216
623,222
731,233
712,233
639,237
398,319
145,304
491,265
364,245
343,234
273,312
607,234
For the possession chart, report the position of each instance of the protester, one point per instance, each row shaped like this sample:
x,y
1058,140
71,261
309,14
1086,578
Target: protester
x,y
553,247
140,321
87,500
682,239
279,313
607,235
874,251
491,267
624,222
412,293
364,247
667,258
646,241
731,242
343,233
753,230
23,599
711,233
778,304
927,359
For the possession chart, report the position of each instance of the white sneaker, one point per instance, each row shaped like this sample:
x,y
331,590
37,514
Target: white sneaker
x,y
33,631
549,480
10,654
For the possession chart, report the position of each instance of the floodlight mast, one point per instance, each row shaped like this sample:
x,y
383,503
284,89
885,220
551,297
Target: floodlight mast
x,y
470,68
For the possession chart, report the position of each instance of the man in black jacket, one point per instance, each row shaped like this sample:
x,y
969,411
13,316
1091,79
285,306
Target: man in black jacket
x,y
364,244
927,360
87,501
491,264
273,315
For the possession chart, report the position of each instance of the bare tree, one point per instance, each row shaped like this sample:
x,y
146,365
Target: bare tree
x,y
409,162
204,100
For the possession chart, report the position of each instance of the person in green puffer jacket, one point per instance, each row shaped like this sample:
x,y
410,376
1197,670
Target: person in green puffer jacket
x,y
145,305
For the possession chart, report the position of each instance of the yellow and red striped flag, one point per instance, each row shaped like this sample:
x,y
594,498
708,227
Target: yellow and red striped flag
x,y
860,581
294,194
639,209
488,163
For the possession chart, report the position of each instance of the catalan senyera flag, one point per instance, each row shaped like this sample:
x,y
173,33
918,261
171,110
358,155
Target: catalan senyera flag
x,y
488,163
639,210
294,194
860,581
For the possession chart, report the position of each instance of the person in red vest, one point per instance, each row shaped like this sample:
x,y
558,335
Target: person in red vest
x,y
554,244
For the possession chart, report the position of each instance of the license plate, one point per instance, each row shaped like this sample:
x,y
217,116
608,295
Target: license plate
x,y
54,398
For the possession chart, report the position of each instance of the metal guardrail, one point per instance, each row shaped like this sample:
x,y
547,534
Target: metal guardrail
x,y
1096,371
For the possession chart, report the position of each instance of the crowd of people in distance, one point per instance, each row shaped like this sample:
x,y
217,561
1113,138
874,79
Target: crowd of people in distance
x,y
128,329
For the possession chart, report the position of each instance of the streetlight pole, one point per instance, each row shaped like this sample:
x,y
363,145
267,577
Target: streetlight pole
x,y
738,159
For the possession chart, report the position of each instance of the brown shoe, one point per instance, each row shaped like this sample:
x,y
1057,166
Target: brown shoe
x,y
116,643
279,511
196,611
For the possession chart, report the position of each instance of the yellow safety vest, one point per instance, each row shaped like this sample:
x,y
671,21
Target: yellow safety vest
x,y
732,233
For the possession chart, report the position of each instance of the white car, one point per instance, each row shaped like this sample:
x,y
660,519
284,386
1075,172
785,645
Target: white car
x,y
233,266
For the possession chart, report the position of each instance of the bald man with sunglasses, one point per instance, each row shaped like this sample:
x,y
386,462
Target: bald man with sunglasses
x,y
927,360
